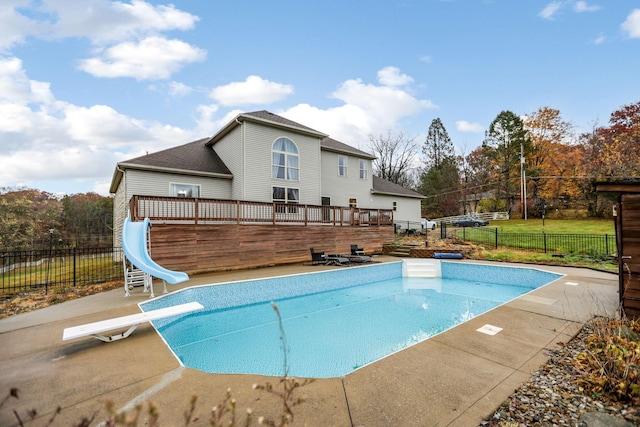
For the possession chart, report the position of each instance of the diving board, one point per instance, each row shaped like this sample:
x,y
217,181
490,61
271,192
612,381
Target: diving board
x,y
132,322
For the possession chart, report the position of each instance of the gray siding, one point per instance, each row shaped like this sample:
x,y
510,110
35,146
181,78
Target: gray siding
x,y
231,151
259,140
341,188
407,209
146,183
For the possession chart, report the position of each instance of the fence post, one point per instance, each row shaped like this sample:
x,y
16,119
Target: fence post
x,y
544,238
74,266
496,237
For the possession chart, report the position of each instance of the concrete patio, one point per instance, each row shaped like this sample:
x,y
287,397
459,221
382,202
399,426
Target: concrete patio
x,y
453,379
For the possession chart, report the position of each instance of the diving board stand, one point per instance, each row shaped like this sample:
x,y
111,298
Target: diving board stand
x,y
131,321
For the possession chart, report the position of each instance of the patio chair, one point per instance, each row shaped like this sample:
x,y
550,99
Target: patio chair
x,y
355,250
318,257
336,259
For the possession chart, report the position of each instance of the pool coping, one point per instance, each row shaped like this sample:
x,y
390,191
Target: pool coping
x,y
453,379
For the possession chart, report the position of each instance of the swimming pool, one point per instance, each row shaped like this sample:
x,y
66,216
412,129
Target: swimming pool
x,y
335,321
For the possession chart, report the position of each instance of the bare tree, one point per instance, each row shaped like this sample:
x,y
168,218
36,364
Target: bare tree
x,y
395,158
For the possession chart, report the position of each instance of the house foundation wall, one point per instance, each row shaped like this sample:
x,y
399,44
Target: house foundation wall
x,y
200,248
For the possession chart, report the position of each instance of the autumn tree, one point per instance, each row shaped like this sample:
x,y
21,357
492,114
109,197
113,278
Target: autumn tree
x,y
503,141
611,153
551,157
476,177
395,158
619,144
87,218
33,219
440,180
26,216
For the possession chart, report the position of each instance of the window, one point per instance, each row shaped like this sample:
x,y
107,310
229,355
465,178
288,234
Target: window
x,y
284,160
363,169
353,203
395,205
288,196
342,166
184,190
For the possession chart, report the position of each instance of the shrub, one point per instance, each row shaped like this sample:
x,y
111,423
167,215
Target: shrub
x,y
610,365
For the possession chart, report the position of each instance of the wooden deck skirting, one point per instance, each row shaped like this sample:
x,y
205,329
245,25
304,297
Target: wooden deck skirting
x,y
199,248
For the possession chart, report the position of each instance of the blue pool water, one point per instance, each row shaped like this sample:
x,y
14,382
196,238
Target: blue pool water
x,y
334,321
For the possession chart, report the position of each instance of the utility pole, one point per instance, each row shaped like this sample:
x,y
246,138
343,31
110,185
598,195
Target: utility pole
x,y
523,183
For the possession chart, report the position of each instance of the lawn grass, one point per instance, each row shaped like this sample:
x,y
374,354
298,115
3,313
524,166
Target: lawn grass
x,y
555,226
526,241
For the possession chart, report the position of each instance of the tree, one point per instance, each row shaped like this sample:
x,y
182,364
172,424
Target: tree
x,y
611,153
440,180
27,216
504,141
550,156
395,158
437,147
476,178
619,144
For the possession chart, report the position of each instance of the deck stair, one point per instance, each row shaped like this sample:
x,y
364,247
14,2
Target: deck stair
x,y
403,251
421,267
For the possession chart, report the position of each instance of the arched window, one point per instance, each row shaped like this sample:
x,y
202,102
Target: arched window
x,y
284,160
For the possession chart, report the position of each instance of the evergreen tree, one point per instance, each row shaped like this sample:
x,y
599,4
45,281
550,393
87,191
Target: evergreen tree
x,y
441,178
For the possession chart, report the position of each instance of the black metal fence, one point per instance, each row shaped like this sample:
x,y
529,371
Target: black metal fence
x,y
598,245
28,271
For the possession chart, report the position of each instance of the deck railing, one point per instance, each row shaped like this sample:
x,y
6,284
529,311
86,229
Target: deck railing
x,y
207,211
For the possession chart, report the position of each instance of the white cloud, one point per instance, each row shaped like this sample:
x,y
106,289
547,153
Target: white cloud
x,y
465,126
366,110
253,91
631,26
178,89
44,139
391,76
101,21
106,21
149,59
426,58
582,6
15,27
16,87
550,10
599,40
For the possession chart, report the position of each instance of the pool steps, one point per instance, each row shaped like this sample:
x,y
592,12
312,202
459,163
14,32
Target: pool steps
x,y
421,267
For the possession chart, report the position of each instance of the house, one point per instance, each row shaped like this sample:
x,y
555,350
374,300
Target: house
x,y
262,158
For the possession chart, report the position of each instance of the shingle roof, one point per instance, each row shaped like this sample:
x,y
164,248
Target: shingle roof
x,y
267,118
270,117
331,144
382,186
192,158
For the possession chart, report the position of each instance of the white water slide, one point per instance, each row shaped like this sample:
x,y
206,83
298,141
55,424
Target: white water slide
x,y
134,246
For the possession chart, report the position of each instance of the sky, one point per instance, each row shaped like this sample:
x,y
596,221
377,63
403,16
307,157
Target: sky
x,y
86,84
